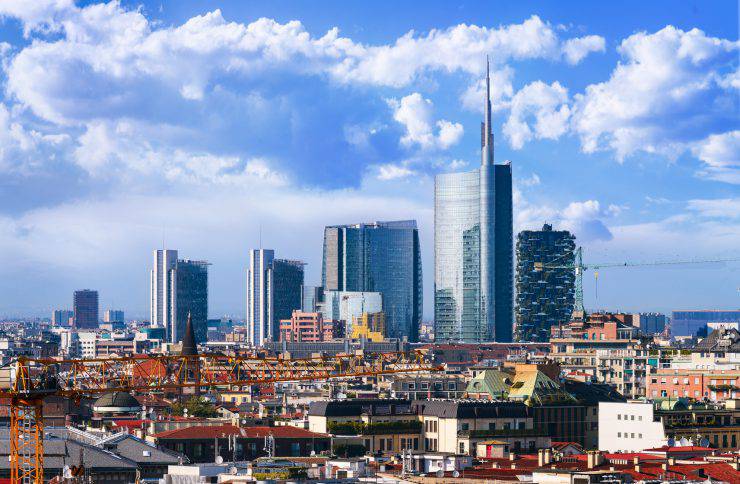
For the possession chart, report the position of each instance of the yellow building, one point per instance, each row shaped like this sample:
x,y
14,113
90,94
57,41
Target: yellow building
x,y
370,326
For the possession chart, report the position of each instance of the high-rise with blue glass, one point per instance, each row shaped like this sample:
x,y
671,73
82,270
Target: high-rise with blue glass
x,y
473,249
379,257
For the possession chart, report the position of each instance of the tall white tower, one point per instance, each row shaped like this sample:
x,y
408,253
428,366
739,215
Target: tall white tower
x,y
163,309
259,295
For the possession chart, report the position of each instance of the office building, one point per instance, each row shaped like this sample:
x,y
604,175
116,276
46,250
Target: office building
x,y
381,257
162,292
473,249
348,306
274,291
62,317
113,316
369,326
85,309
544,294
308,328
692,323
311,297
650,323
191,299
179,287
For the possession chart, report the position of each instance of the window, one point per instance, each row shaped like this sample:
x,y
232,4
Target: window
x,y
632,417
639,417
619,434
465,426
685,381
675,381
619,416
462,447
425,385
521,425
451,385
633,435
492,426
412,385
295,449
696,381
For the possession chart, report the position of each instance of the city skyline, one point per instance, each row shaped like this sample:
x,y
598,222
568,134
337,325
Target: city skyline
x,y
354,127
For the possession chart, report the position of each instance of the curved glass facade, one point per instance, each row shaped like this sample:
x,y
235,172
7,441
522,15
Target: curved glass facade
x,y
456,256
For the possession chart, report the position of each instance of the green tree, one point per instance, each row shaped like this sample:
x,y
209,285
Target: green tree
x,y
196,407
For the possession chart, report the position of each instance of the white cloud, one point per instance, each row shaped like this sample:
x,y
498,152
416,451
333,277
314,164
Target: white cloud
x,y
575,50
543,106
112,49
531,181
393,172
723,208
118,151
473,97
416,115
665,94
721,155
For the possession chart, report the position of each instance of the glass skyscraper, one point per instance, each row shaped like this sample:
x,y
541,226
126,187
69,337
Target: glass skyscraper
x,y
274,288
473,249
191,290
379,257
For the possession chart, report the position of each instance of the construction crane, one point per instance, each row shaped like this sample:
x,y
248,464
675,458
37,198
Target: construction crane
x,y
33,379
579,267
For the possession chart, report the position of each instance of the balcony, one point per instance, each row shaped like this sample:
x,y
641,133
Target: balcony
x,y
502,433
379,428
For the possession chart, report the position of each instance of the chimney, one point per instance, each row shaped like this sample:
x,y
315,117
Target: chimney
x,y
672,461
594,459
635,460
637,467
512,456
548,455
664,465
513,466
494,465
540,457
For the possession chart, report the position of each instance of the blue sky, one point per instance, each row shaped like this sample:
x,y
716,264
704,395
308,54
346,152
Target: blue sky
x,y
127,125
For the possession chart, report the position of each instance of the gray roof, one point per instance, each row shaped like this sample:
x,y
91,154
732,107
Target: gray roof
x,y
117,399
133,448
472,409
724,340
60,452
348,408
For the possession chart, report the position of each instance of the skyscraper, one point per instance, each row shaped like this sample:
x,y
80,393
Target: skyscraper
x,y
274,288
473,248
162,292
379,257
113,316
191,293
259,307
85,309
62,317
178,287
544,296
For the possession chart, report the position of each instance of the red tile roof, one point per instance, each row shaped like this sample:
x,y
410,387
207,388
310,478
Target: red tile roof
x,y
210,432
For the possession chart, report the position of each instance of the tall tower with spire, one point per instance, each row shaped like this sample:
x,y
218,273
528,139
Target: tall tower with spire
x,y
473,247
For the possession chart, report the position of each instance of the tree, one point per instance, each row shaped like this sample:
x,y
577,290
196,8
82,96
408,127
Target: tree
x,y
196,407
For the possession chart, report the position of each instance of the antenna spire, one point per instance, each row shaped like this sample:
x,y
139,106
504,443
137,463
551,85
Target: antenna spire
x,y
486,128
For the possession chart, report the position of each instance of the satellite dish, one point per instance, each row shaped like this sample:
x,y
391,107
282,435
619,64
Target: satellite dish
x,y
671,443
440,473
455,474
233,470
219,460
683,442
67,472
704,442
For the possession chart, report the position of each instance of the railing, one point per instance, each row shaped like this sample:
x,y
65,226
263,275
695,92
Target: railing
x,y
378,428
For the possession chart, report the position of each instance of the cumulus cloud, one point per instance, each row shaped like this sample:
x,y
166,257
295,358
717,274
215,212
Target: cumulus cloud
x,y
667,93
721,155
575,50
393,172
537,110
416,114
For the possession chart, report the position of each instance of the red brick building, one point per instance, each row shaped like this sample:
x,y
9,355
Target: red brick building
x,y
307,328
